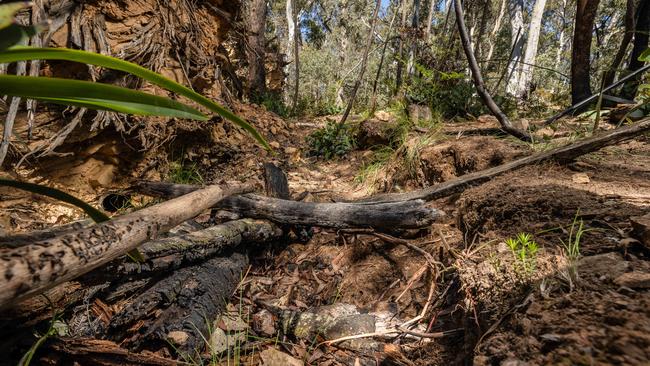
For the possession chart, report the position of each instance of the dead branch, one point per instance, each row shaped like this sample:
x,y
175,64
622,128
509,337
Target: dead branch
x,y
382,217
506,125
32,269
562,155
101,353
187,301
182,250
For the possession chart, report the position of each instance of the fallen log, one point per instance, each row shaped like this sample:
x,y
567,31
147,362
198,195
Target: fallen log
x,y
380,216
32,269
561,155
17,240
181,308
186,249
340,215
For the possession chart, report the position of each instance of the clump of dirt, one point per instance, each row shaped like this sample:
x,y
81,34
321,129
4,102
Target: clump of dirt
x,y
600,322
534,201
453,158
568,310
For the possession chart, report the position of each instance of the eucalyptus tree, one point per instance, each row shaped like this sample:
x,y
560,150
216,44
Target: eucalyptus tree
x,y
581,49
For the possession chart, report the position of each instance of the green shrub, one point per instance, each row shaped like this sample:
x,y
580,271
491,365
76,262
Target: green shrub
x,y
331,141
451,94
273,102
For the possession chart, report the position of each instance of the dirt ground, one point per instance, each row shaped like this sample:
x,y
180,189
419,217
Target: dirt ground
x,y
593,309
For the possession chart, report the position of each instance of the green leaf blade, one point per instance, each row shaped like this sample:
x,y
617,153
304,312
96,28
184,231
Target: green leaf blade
x,y
95,95
19,53
8,12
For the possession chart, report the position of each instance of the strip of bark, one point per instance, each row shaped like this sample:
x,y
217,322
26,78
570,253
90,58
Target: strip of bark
x,y
562,155
64,351
32,269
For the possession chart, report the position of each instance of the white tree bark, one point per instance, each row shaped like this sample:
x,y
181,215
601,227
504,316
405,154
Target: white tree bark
x,y
517,44
534,29
562,40
432,9
495,30
291,35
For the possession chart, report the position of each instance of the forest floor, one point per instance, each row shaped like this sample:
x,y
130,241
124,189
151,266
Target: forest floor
x,y
493,307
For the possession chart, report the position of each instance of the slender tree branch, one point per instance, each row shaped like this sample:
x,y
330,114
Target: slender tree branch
x,y
506,125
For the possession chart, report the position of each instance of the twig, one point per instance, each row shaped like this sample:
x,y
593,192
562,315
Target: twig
x,y
389,332
416,276
393,240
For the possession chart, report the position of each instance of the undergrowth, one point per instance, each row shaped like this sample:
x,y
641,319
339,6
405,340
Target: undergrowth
x,y
181,172
332,140
524,250
401,157
571,250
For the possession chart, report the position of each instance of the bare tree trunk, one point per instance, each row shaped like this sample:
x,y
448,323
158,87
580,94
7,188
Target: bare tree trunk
x,y
296,59
255,52
517,44
506,125
432,10
495,30
641,38
485,15
373,98
622,49
562,38
415,24
364,64
526,76
400,50
581,50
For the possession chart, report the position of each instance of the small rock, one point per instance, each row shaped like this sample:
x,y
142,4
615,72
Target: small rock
x,y
641,229
263,323
634,280
274,130
232,322
383,116
221,342
373,132
275,144
273,357
178,337
580,178
610,264
513,362
551,337
481,361
486,118
290,150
